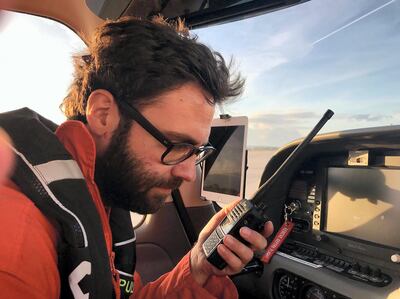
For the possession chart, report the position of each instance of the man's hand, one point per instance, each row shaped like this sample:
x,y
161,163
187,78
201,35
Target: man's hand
x,y
235,253
6,156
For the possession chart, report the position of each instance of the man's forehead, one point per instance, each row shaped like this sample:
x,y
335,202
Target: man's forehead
x,y
182,114
189,93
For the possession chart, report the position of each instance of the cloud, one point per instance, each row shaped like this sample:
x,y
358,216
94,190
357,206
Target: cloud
x,y
343,72
277,129
272,137
282,118
299,62
269,120
279,41
280,128
369,117
273,50
285,38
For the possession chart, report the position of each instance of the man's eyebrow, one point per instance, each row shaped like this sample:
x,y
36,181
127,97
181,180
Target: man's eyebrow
x,y
181,137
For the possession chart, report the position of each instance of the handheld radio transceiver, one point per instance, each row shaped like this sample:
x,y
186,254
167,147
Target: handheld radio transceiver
x,y
266,203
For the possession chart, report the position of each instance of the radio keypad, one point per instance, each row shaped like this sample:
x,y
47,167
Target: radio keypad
x,y
210,244
220,233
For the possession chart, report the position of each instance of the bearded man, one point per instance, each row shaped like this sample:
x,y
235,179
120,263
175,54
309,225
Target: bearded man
x,y
139,114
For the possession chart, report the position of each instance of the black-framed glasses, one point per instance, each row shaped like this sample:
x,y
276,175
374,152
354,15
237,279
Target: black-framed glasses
x,y
175,152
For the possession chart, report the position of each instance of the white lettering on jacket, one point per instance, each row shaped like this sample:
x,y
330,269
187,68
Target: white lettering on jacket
x,y
84,268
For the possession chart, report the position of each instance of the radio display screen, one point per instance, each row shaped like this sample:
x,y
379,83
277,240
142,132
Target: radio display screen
x,y
364,203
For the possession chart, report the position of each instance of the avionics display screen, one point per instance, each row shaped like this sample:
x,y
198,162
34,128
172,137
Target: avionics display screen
x,y
223,172
364,203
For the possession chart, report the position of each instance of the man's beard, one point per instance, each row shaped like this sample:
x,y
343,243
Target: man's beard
x,y
123,179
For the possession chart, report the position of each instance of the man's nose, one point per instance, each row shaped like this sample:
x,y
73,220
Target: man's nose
x,y
185,170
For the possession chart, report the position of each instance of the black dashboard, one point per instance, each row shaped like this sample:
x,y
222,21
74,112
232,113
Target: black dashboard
x,y
344,199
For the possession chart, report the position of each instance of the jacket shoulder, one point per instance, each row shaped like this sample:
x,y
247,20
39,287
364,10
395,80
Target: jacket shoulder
x,y
28,242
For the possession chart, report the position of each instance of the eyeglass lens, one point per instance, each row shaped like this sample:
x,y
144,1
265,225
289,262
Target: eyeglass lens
x,y
181,152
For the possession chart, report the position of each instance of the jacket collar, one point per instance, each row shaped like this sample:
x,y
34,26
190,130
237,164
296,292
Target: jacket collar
x,y
80,144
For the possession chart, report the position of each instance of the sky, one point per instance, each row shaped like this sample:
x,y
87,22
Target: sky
x,y
297,62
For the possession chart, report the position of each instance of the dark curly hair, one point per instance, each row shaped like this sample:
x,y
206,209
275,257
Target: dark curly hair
x,y
137,60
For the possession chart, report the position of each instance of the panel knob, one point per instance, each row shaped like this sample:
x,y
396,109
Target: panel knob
x,y
395,258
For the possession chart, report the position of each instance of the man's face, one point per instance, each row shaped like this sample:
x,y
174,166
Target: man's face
x,y
130,174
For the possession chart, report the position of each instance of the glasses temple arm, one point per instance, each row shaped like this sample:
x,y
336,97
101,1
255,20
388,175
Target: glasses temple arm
x,y
137,116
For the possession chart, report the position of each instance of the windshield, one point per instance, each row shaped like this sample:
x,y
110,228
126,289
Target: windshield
x,y
298,62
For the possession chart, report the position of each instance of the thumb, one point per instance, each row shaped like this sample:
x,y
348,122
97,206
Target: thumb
x,y
6,156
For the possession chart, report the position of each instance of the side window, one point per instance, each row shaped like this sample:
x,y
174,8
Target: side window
x,y
36,66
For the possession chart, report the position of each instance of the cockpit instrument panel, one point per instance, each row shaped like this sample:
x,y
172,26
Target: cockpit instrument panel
x,y
344,200
347,216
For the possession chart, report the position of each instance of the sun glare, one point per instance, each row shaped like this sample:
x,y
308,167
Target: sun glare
x,y
35,59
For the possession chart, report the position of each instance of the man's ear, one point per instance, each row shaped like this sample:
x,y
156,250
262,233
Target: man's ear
x,y
102,117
